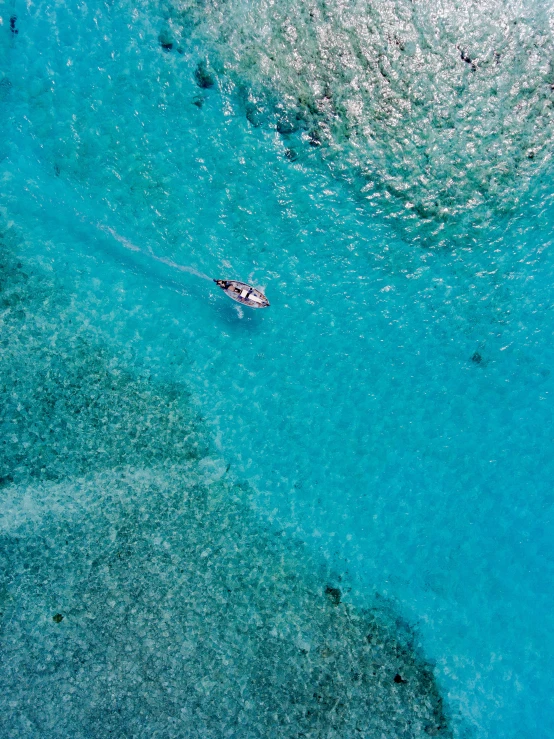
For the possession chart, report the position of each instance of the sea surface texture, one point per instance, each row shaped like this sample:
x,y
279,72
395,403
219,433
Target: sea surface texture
x,y
329,519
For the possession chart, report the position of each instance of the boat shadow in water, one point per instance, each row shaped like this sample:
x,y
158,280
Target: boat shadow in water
x,y
240,319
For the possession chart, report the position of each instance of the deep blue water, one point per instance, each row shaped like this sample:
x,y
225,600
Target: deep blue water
x,y
392,409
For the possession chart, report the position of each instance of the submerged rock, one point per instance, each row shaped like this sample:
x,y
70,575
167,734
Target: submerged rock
x,y
333,594
286,126
166,39
253,114
291,154
314,139
204,78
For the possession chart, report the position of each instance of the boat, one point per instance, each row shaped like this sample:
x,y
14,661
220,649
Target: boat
x,y
243,293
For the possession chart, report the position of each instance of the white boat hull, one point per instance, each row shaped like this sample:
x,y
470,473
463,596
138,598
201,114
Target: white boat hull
x,y
243,293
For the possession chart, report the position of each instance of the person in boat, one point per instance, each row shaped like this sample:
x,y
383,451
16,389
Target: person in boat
x,y
225,284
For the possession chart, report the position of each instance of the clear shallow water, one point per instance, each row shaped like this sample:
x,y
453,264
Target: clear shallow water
x,y
400,395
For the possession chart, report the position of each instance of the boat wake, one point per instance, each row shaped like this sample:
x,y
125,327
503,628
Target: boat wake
x,y
150,254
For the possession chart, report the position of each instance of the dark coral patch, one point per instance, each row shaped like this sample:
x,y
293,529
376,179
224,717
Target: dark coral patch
x,y
286,126
333,594
203,76
291,155
253,115
165,39
315,139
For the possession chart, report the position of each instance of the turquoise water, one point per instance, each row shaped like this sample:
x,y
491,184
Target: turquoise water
x,y
194,487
